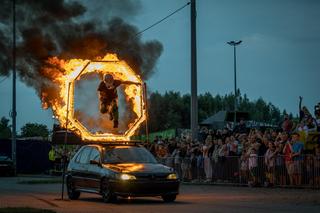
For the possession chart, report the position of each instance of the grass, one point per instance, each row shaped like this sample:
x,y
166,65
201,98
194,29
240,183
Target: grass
x,y
24,210
47,181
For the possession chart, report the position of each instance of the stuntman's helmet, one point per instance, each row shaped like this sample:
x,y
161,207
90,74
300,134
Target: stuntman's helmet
x,y
108,79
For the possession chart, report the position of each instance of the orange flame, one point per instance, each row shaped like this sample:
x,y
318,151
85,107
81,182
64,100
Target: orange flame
x,y
72,71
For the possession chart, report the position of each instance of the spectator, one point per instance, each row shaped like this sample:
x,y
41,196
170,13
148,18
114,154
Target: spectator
x,y
52,159
280,167
309,165
186,162
203,134
214,157
207,158
194,168
303,111
311,124
317,166
297,149
253,166
221,159
288,151
200,165
269,159
177,160
287,124
233,146
244,167
241,127
317,115
161,152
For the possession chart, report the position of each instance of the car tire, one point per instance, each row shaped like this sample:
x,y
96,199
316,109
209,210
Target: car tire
x,y
107,193
169,198
72,193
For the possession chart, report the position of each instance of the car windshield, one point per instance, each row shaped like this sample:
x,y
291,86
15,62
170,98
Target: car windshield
x,y
128,155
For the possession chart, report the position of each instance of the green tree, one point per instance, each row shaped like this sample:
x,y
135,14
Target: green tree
x,y
34,129
172,110
5,128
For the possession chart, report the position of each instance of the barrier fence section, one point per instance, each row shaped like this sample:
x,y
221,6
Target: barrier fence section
x,y
303,171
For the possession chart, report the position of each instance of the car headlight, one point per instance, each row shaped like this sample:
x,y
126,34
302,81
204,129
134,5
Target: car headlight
x,y
172,176
127,177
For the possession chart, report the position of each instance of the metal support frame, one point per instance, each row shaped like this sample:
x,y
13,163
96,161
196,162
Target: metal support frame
x,y
64,156
147,111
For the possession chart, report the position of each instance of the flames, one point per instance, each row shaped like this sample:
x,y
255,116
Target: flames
x,y
72,71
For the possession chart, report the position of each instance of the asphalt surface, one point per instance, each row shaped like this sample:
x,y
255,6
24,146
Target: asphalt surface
x,y
192,198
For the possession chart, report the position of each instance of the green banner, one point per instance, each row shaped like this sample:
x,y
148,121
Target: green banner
x,y
169,133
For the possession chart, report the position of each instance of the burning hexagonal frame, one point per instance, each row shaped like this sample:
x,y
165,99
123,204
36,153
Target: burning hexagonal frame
x,y
120,70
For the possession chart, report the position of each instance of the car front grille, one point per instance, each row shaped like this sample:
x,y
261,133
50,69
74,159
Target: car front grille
x,y
154,177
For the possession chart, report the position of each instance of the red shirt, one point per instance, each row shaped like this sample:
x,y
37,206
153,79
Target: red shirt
x,y
287,152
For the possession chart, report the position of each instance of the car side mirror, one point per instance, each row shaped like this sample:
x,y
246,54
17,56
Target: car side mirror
x,y
94,162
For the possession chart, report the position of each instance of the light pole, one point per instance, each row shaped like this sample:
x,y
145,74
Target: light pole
x,y
194,87
234,44
14,101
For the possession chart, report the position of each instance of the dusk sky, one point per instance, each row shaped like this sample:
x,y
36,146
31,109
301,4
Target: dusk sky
x,y
278,59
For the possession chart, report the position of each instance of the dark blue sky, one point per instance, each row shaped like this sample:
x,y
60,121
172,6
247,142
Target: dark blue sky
x,y
278,60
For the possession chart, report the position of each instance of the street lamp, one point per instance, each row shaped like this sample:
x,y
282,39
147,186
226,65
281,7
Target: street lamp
x,y
234,44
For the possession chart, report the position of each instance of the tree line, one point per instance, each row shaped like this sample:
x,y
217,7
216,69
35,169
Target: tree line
x,y
172,110
28,130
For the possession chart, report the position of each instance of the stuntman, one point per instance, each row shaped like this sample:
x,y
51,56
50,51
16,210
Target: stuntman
x,y
109,97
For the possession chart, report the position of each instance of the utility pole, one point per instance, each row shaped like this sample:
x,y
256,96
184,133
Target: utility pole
x,y
13,112
194,93
234,44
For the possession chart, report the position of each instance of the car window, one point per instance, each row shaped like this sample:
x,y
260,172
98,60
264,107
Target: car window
x,y
128,155
95,155
84,158
77,160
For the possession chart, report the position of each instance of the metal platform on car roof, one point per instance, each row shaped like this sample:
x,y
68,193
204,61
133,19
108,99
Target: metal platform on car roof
x,y
58,137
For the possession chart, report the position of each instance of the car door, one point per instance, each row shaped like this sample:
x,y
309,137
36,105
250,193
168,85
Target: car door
x,y
75,168
82,168
94,170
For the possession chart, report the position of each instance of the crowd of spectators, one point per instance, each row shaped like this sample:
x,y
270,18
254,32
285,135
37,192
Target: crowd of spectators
x,y
252,156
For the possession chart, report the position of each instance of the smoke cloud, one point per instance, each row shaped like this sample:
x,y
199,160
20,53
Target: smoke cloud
x,y
67,29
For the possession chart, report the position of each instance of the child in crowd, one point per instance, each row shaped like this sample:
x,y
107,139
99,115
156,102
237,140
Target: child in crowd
x,y
269,159
244,167
253,166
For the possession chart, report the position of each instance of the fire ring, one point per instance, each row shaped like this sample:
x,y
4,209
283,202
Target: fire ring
x,y
110,64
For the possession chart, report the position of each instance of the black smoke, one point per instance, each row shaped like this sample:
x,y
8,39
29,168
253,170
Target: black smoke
x,y
47,28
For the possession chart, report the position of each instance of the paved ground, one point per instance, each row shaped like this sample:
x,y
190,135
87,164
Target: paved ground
x,y
193,198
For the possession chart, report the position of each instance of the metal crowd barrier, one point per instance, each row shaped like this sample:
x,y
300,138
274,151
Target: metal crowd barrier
x,y
279,171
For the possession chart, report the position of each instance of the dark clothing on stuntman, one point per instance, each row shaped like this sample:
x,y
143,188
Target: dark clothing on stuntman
x,y
109,101
107,95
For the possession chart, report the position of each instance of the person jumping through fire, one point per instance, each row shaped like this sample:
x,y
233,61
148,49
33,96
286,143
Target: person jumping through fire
x,y
108,96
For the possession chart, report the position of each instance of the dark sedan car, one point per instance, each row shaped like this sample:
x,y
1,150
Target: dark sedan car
x,y
6,165
119,170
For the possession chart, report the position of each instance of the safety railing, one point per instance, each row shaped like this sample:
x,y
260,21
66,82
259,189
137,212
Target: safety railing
x,y
279,170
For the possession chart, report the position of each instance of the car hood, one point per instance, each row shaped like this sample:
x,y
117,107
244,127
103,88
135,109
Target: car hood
x,y
138,168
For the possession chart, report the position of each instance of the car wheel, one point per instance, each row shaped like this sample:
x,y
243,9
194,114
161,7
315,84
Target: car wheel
x,y
72,193
107,193
169,198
